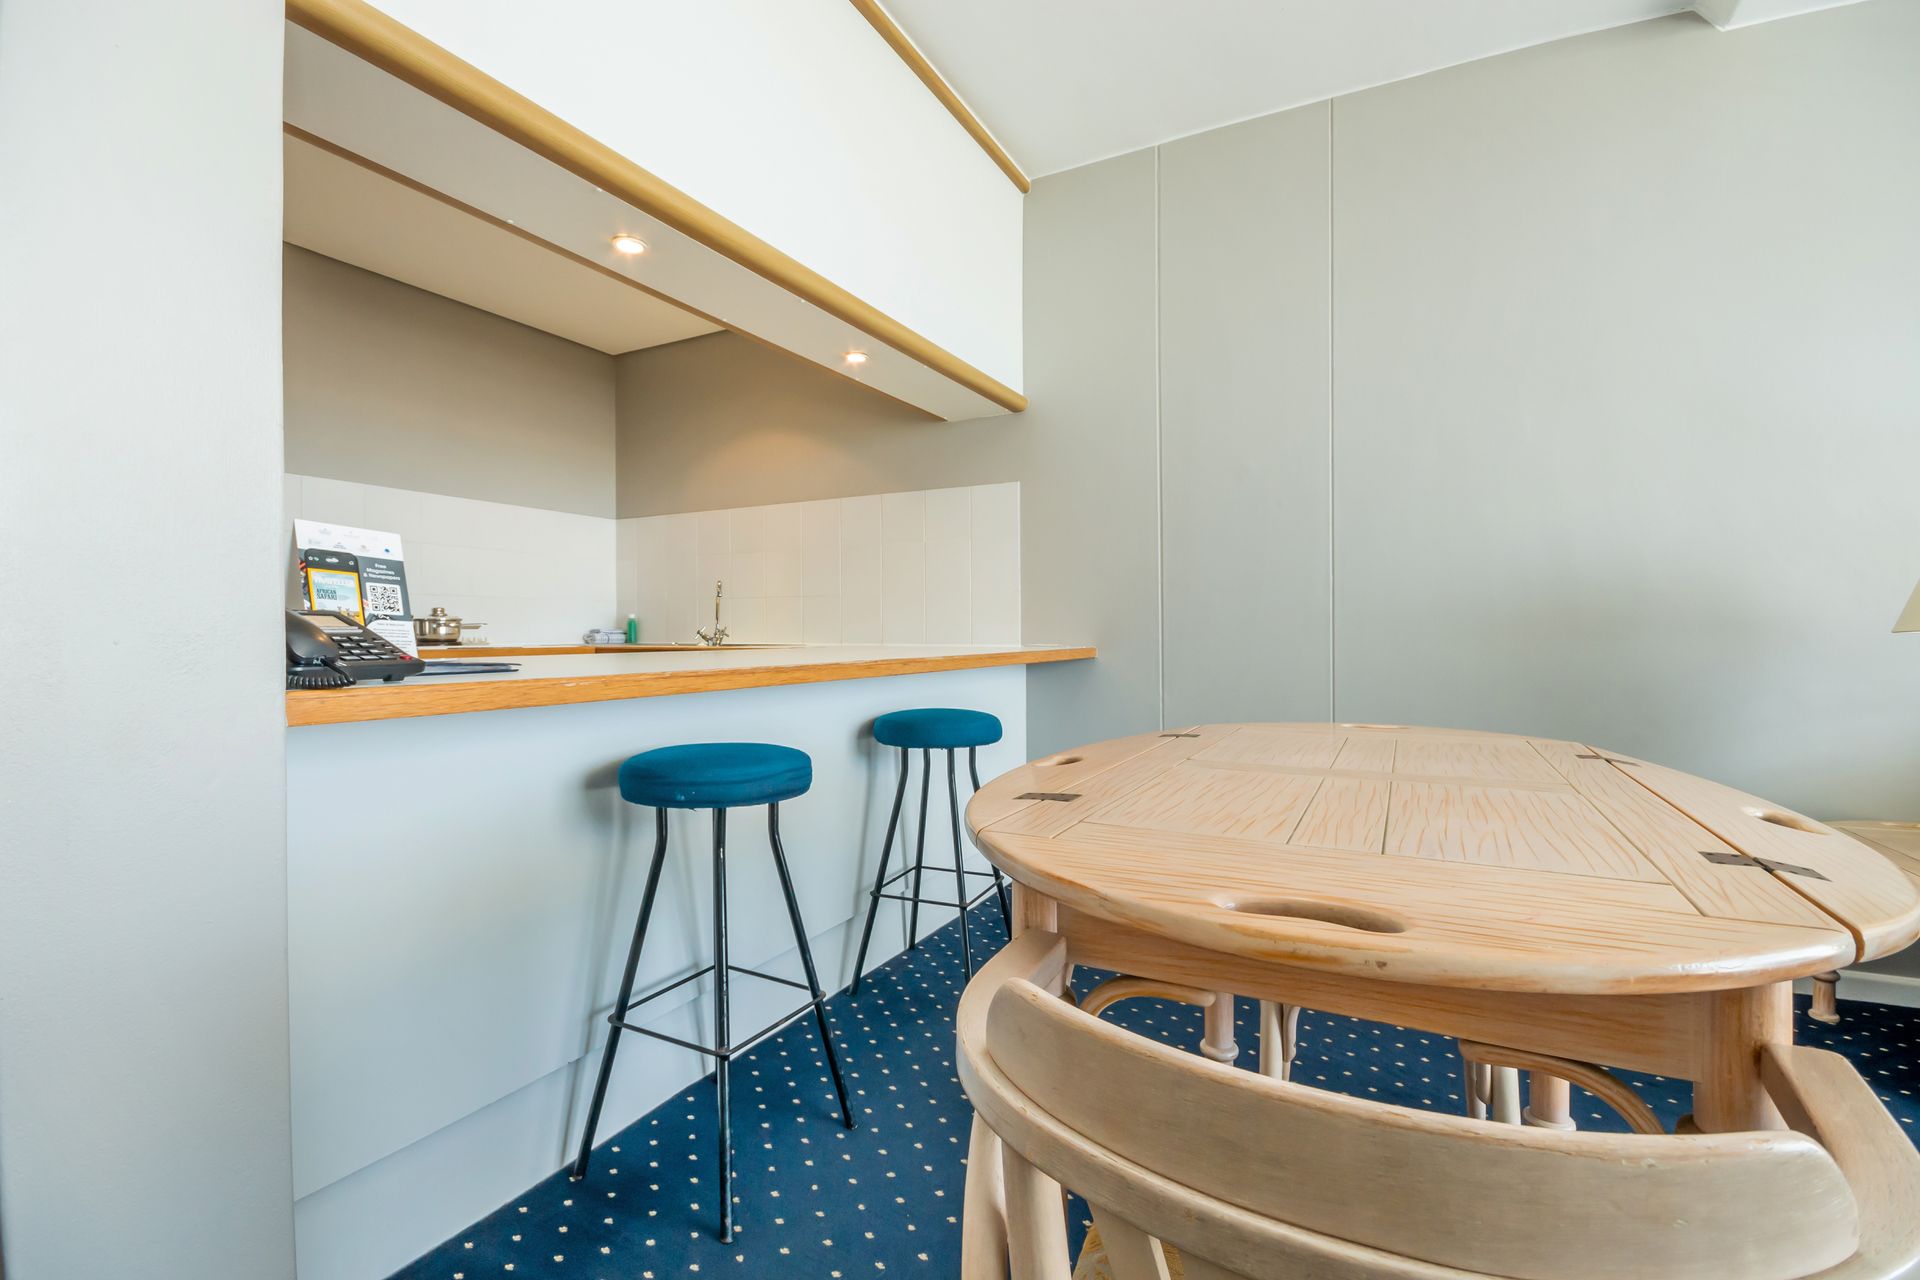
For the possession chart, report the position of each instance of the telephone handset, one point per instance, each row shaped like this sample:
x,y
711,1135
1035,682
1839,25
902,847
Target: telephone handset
x,y
331,651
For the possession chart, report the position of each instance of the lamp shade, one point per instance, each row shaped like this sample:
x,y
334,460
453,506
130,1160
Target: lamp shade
x,y
1909,619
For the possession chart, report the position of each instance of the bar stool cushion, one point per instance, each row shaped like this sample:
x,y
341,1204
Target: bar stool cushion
x,y
937,728
715,775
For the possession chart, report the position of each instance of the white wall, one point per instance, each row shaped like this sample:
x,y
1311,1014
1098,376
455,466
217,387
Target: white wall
x,y
935,567
790,117
143,982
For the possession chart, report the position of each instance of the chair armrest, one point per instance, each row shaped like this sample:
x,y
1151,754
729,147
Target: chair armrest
x,y
1821,1095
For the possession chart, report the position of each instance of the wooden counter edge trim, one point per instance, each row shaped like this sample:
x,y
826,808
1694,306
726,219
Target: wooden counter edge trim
x,y
404,53
405,701
901,43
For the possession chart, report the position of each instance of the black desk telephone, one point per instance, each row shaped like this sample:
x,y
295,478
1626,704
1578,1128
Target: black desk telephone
x,y
331,651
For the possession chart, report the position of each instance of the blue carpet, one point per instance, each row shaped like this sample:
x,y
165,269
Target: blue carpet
x,y
814,1200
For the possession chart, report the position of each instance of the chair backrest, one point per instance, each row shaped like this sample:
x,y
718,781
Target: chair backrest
x,y
1253,1177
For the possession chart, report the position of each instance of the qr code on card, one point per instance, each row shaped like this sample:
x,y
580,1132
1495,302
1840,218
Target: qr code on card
x,y
383,599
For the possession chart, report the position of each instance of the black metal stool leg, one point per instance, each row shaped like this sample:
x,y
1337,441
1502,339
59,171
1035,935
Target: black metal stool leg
x,y
880,877
626,994
920,851
999,881
959,862
723,1029
806,960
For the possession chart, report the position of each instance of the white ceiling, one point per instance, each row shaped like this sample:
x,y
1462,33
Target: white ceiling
x,y
1066,82
346,211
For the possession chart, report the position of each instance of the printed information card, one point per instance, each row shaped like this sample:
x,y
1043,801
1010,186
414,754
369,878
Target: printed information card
x,y
359,572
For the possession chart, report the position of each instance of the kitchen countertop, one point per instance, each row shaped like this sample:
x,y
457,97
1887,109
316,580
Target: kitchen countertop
x,y
484,649
575,674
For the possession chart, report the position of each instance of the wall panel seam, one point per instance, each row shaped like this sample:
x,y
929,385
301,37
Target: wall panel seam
x,y
1333,625
1159,459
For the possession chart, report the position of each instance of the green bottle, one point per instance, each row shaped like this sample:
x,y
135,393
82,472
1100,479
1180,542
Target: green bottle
x,y
633,629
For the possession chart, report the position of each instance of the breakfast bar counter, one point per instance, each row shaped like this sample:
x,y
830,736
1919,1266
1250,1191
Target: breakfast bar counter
x,y
576,674
463,874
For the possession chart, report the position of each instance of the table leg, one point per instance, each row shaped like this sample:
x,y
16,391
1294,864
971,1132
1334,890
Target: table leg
x,y
1477,1081
1504,1108
1728,1096
1216,1040
1033,910
1826,1003
1549,1102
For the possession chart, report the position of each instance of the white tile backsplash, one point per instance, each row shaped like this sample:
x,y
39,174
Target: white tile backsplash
x,y
949,514
939,566
903,592
782,620
903,516
820,620
949,584
996,512
820,549
715,533
859,583
533,576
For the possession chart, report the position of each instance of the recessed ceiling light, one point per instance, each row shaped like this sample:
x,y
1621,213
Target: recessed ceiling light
x,y
856,357
624,243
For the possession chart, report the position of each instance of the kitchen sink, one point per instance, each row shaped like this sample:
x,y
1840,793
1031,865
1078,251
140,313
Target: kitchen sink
x,y
485,650
681,648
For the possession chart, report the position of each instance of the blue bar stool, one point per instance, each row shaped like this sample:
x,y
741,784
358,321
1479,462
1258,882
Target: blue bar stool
x,y
716,776
927,730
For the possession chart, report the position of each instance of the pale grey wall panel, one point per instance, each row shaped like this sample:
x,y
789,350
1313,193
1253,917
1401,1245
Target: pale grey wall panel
x,y
143,868
1244,389
391,385
1089,530
1628,374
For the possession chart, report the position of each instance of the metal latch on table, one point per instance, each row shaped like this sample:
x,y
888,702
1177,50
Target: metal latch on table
x,y
1179,735
1048,795
1728,858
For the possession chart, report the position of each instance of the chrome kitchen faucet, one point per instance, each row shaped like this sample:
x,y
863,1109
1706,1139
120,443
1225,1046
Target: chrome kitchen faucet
x,y
716,634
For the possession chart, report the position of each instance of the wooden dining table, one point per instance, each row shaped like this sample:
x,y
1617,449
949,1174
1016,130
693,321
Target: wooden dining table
x,y
1547,897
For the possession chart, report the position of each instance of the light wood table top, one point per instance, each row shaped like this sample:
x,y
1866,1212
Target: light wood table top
x,y
1442,857
1899,842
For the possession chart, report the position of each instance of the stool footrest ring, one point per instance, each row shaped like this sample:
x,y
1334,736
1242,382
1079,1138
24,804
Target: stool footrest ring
x,y
730,1051
695,976
904,872
727,1051
972,902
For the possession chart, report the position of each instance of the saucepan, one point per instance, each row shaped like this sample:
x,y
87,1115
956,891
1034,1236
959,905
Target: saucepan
x,y
438,628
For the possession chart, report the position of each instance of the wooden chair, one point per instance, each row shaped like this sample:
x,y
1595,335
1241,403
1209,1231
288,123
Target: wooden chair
x,y
1251,1178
